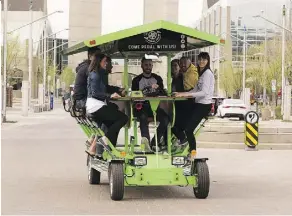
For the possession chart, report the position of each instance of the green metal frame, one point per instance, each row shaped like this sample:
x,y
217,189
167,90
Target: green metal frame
x,y
159,169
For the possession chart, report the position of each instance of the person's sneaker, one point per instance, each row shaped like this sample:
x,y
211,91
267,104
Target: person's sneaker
x,y
145,146
178,145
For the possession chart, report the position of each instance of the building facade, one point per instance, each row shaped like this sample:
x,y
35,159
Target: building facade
x,y
229,19
19,15
80,27
61,60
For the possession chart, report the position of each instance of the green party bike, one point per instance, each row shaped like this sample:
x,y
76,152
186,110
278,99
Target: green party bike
x,y
127,163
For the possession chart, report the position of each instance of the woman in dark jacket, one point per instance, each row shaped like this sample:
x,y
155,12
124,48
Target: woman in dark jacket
x,y
97,105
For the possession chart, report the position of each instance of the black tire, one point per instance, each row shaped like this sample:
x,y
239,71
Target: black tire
x,y
203,178
87,160
116,181
93,175
109,172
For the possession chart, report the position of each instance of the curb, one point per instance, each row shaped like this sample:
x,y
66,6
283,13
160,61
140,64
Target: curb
x,y
261,146
237,129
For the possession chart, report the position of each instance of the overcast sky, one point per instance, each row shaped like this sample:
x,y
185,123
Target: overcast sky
x,y
115,16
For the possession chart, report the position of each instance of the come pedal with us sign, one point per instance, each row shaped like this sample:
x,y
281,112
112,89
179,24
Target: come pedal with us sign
x,y
251,130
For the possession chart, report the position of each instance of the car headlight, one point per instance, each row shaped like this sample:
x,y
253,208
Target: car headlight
x,y
140,161
178,161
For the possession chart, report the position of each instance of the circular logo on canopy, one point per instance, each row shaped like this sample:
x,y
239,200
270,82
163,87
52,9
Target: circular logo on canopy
x,y
152,37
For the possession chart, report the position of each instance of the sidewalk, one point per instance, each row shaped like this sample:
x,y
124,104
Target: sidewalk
x,y
14,116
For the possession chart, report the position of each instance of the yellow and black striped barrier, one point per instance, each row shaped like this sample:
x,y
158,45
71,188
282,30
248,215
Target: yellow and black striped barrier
x,y
251,132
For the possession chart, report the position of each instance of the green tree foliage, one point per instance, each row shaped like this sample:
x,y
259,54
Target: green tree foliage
x,y
15,55
226,78
273,70
68,77
257,75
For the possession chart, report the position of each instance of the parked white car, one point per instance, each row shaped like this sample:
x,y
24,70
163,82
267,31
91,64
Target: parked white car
x,y
232,108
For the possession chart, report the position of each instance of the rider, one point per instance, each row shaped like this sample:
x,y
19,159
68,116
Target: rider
x,y
177,77
190,73
189,77
150,84
96,104
80,87
203,93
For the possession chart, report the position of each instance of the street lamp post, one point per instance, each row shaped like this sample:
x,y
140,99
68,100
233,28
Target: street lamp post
x,y
283,61
244,66
55,63
265,66
39,19
45,61
4,60
30,47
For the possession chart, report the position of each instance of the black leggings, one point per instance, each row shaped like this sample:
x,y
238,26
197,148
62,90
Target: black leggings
x,y
199,111
113,119
182,114
161,116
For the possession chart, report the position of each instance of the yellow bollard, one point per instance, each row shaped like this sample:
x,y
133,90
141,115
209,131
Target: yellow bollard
x,y
251,130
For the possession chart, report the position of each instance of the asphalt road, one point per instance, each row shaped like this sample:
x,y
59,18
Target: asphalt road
x,y
44,172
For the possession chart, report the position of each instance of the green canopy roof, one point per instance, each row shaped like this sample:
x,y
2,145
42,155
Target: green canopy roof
x,y
161,37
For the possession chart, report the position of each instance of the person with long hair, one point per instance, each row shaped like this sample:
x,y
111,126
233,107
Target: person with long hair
x,y
97,104
186,81
177,78
202,94
80,84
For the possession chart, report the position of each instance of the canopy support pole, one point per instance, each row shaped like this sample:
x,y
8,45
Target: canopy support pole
x,y
169,91
126,86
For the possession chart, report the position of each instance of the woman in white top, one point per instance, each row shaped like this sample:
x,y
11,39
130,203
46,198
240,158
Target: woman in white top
x,y
203,93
